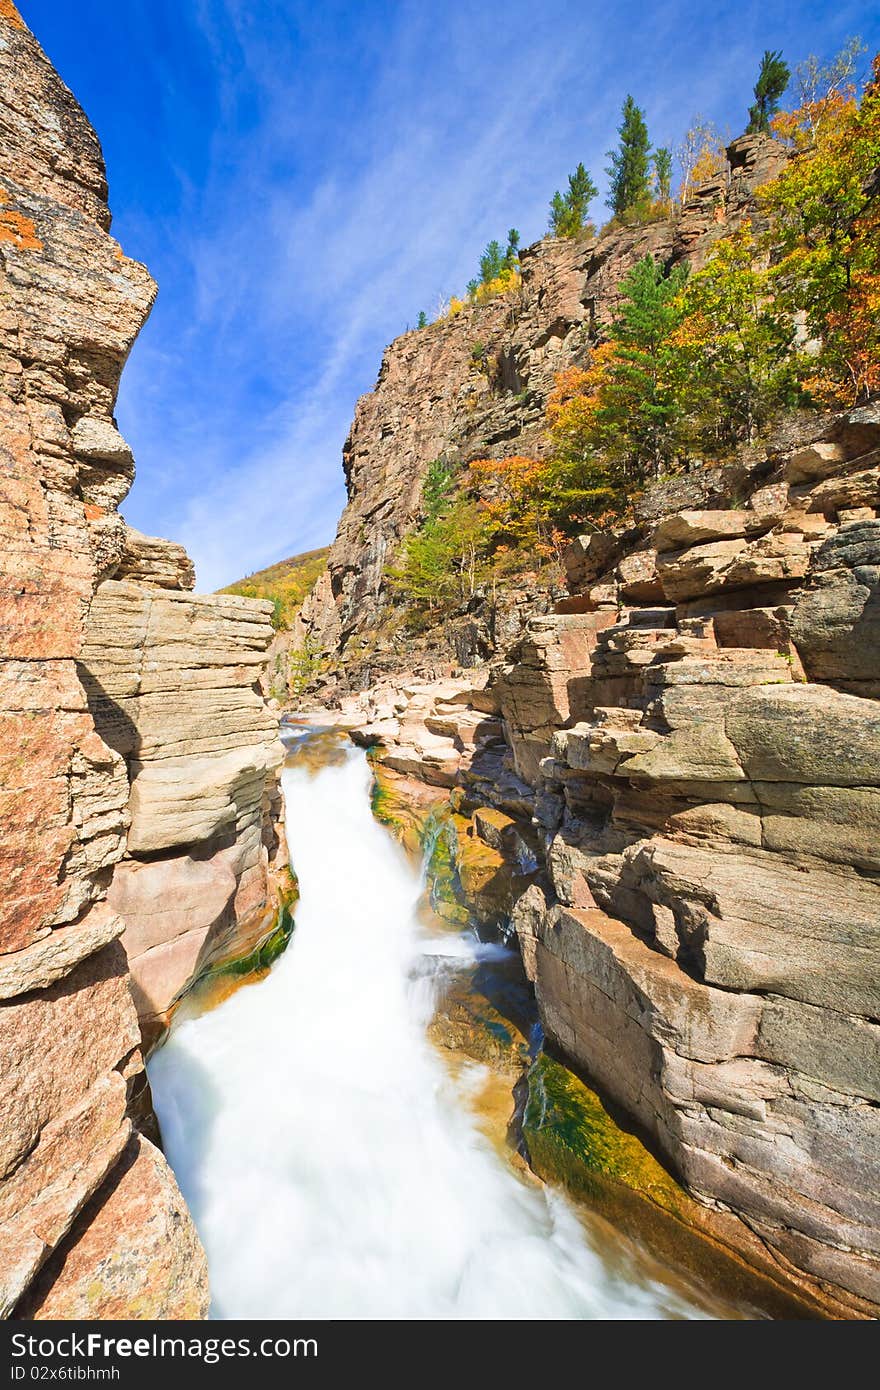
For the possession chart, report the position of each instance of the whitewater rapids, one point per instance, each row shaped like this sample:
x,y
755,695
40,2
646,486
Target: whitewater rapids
x,y
331,1166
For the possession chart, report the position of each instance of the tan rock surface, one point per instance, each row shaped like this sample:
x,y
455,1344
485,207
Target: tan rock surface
x,y
155,562
133,1254
732,564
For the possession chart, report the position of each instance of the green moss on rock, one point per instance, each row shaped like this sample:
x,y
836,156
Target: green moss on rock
x,y
487,1011
268,952
571,1138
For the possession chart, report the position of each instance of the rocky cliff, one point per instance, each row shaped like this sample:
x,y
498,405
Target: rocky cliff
x,y
669,786
139,761
666,779
475,385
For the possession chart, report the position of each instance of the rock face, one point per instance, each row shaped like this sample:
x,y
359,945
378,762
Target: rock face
x,y
689,793
682,751
171,685
476,386
137,772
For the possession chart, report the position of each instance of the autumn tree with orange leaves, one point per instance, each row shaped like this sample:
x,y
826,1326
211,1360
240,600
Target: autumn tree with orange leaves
x,y
526,505
825,207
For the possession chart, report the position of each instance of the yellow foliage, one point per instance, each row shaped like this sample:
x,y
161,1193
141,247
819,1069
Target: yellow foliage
x,y
709,162
285,584
502,284
828,221
573,401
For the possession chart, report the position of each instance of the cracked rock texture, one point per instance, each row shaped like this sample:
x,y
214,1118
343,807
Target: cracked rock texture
x,y
138,763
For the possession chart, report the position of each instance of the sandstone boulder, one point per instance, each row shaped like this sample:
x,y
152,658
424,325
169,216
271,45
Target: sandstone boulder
x,y
133,1254
836,622
732,564
56,954
688,528
587,557
813,462
638,578
106,465
750,922
155,562
807,735
186,800
857,489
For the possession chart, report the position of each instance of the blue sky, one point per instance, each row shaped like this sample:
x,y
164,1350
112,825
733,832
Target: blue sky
x,y
303,178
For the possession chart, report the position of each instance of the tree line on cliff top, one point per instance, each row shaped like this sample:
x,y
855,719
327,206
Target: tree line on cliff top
x,y
640,187
785,312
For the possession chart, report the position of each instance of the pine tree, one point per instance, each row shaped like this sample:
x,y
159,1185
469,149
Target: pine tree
x,y
663,174
422,321
499,271
570,211
630,165
642,406
772,82
627,409
491,262
511,255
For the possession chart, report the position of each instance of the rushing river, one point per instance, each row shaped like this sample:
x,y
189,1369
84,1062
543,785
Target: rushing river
x,y
330,1162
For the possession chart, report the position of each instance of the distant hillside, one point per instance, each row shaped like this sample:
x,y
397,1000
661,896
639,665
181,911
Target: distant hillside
x,y
286,584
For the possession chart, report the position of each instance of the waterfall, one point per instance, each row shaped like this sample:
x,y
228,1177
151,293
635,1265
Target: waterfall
x,y
330,1162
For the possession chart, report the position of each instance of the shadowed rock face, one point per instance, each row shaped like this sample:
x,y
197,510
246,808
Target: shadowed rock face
x,y
137,760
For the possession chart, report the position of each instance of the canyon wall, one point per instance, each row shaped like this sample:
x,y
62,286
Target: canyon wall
x,y
138,765
666,779
705,939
